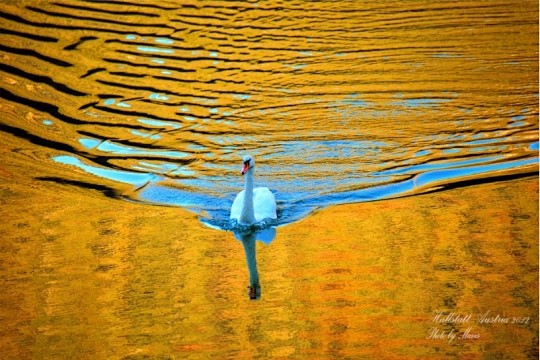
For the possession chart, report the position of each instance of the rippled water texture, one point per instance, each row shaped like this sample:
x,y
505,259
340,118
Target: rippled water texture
x,y
340,101
156,102
88,277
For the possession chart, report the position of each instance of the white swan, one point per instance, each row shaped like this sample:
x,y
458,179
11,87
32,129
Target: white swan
x,y
252,205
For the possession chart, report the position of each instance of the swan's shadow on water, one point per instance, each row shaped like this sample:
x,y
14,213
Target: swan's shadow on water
x,y
248,236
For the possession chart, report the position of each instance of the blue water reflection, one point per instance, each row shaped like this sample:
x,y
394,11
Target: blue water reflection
x,y
294,205
446,175
357,144
440,165
108,146
153,49
159,97
159,123
128,177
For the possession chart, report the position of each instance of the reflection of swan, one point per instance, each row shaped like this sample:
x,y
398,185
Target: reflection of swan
x,y
248,242
252,205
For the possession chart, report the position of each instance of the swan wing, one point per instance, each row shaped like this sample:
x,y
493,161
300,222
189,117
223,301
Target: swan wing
x,y
236,207
264,204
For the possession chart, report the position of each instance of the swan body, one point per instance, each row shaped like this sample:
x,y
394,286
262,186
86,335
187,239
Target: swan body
x,y
252,205
264,205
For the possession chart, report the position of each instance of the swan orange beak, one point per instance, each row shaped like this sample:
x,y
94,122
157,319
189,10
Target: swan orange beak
x,y
245,169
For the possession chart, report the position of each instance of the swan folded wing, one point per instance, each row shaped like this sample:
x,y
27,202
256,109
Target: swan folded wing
x,y
264,203
236,207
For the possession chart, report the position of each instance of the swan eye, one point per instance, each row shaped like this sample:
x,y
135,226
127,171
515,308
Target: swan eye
x,y
246,162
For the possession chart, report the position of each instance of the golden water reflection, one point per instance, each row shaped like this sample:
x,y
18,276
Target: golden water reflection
x,y
352,95
348,94
85,277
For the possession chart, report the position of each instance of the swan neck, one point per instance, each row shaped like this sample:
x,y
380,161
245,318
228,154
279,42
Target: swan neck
x,y
248,183
248,212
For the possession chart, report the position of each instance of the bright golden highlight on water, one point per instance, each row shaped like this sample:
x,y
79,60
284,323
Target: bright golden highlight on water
x,y
400,140
87,277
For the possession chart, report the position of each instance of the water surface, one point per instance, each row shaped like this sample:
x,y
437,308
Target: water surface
x,y
339,102
88,277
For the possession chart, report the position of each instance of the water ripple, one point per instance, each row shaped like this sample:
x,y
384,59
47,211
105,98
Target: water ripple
x,y
338,101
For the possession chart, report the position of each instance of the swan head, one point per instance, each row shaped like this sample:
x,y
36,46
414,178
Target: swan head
x,y
249,163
